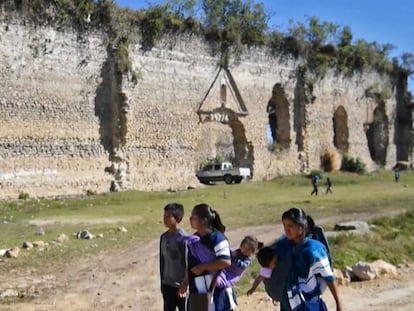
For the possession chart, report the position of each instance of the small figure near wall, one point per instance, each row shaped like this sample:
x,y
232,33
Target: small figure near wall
x,y
397,175
315,181
328,185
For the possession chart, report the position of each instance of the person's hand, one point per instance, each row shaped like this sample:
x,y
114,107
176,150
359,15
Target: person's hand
x,y
250,291
197,270
182,291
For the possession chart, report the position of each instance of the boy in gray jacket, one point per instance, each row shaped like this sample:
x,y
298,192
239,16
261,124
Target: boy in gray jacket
x,y
172,257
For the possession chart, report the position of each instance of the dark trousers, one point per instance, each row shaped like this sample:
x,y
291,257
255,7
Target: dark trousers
x,y
171,299
200,302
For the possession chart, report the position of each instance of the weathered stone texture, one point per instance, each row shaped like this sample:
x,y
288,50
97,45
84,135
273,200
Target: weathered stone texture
x,y
55,86
49,134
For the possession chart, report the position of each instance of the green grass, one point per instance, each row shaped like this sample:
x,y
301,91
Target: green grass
x,y
246,204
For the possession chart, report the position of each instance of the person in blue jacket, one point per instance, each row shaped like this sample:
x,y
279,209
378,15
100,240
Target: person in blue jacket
x,y
315,182
310,271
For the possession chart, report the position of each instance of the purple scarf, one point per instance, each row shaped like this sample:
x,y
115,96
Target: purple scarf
x,y
197,249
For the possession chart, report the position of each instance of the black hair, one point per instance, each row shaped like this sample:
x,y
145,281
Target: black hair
x,y
297,216
265,255
251,241
209,216
176,209
311,223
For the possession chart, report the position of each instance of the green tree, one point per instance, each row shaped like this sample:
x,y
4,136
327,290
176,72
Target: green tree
x,y
317,32
407,62
345,37
181,8
321,32
240,21
297,30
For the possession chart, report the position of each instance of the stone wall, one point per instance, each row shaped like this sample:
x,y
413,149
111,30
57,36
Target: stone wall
x,y
61,103
49,133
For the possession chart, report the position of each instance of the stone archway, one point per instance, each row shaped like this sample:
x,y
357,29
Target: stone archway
x,y
340,129
377,135
224,137
243,149
216,141
279,117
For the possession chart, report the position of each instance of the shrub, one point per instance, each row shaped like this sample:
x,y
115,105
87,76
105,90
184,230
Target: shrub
x,y
316,173
354,165
23,196
152,25
90,192
276,147
122,59
329,160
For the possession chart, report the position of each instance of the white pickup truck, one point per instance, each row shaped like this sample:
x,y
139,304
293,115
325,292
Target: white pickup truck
x,y
223,171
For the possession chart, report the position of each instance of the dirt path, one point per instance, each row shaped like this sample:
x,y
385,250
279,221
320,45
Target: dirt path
x,y
128,280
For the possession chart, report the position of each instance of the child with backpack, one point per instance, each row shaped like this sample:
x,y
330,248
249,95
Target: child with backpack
x,y
315,181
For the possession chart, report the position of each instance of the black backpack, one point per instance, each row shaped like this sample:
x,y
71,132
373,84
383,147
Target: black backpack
x,y
275,285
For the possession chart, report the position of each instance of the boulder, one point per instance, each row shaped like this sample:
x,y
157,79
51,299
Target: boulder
x,y
38,244
354,226
364,271
12,252
27,245
84,234
381,267
62,238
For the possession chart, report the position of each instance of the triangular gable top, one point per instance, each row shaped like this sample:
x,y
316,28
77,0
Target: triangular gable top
x,y
223,93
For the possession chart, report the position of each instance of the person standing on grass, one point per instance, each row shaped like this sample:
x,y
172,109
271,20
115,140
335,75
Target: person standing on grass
x,y
210,255
172,258
328,185
315,181
397,175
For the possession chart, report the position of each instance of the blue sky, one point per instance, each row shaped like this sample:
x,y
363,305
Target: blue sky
x,y
383,21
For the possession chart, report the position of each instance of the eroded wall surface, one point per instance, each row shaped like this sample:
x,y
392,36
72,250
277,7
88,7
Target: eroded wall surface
x,y
49,133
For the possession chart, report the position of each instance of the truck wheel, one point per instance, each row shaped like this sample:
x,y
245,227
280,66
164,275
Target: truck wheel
x,y
228,179
238,180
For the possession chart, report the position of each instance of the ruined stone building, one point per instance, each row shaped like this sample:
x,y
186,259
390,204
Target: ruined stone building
x,y
70,124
